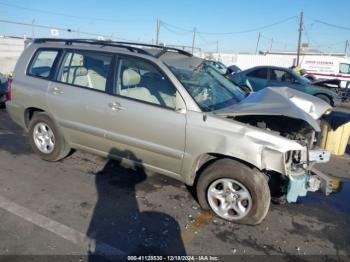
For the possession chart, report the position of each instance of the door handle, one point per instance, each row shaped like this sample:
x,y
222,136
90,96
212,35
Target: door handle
x,y
57,91
115,106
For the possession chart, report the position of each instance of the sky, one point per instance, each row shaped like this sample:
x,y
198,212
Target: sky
x,y
230,25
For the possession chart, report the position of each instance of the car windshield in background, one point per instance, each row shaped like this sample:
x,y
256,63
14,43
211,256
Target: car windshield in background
x,y
301,79
210,89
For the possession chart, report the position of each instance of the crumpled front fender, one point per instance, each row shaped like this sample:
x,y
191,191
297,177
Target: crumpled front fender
x,y
219,136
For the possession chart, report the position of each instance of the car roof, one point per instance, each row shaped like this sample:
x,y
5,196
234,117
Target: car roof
x,y
270,67
263,66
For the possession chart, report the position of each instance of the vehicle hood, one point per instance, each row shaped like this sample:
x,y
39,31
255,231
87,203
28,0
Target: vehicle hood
x,y
322,89
282,101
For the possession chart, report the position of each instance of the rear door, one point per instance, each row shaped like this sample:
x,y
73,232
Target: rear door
x,y
78,97
257,79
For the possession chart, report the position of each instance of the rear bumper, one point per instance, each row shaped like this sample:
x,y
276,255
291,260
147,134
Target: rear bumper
x,y
16,112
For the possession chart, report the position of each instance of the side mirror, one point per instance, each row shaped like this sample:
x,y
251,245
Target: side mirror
x,y
180,106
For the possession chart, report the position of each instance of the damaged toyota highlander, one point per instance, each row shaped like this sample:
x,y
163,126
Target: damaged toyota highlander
x,y
164,110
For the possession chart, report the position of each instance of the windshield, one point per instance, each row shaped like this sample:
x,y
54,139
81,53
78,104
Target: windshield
x,y
210,89
301,79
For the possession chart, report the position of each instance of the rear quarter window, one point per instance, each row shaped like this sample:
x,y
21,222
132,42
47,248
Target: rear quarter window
x,y
42,63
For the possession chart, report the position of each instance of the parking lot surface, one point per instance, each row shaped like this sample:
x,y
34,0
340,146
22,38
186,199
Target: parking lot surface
x,y
85,204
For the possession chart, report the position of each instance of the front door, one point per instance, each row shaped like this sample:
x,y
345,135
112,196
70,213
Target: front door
x,y
283,78
143,124
257,79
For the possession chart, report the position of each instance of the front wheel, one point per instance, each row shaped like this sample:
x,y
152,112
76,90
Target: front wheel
x,y
234,192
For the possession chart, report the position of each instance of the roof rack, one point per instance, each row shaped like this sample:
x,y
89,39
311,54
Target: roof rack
x,y
91,42
131,46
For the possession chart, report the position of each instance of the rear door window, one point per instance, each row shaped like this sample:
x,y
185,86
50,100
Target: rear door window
x,y
86,69
258,73
42,63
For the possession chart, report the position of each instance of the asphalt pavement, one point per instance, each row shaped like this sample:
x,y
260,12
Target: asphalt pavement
x,y
87,205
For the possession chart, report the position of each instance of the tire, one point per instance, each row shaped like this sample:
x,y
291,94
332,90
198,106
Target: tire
x,y
325,98
59,148
249,180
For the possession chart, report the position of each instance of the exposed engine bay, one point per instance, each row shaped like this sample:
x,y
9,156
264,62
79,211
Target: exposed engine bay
x,y
293,129
299,163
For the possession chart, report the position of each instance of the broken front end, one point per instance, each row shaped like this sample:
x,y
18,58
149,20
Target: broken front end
x,y
300,174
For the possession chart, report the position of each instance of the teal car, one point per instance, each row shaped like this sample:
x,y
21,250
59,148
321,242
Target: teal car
x,y
257,78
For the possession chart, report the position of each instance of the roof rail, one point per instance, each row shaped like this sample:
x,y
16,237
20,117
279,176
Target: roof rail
x,y
91,42
131,46
165,48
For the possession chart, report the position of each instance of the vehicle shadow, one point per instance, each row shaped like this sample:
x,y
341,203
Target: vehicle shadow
x,y
118,222
12,137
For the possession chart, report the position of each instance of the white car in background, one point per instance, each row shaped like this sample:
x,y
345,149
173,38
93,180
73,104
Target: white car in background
x,y
327,67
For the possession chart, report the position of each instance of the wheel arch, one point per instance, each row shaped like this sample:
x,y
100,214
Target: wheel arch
x,y
206,159
326,95
29,113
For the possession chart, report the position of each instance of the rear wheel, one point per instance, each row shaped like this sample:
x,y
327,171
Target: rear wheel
x,y
324,98
234,192
45,138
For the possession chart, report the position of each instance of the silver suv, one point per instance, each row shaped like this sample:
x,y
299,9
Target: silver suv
x,y
167,111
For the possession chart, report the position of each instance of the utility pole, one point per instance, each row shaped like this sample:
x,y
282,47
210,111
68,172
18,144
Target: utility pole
x,y
33,21
346,47
158,31
301,24
271,43
194,39
257,43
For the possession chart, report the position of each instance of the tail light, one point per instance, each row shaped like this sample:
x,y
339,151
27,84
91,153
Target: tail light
x,y
9,89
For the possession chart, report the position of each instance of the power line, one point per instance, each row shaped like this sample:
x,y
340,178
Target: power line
x,y
166,27
332,25
206,41
252,29
232,33
68,15
176,27
57,28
